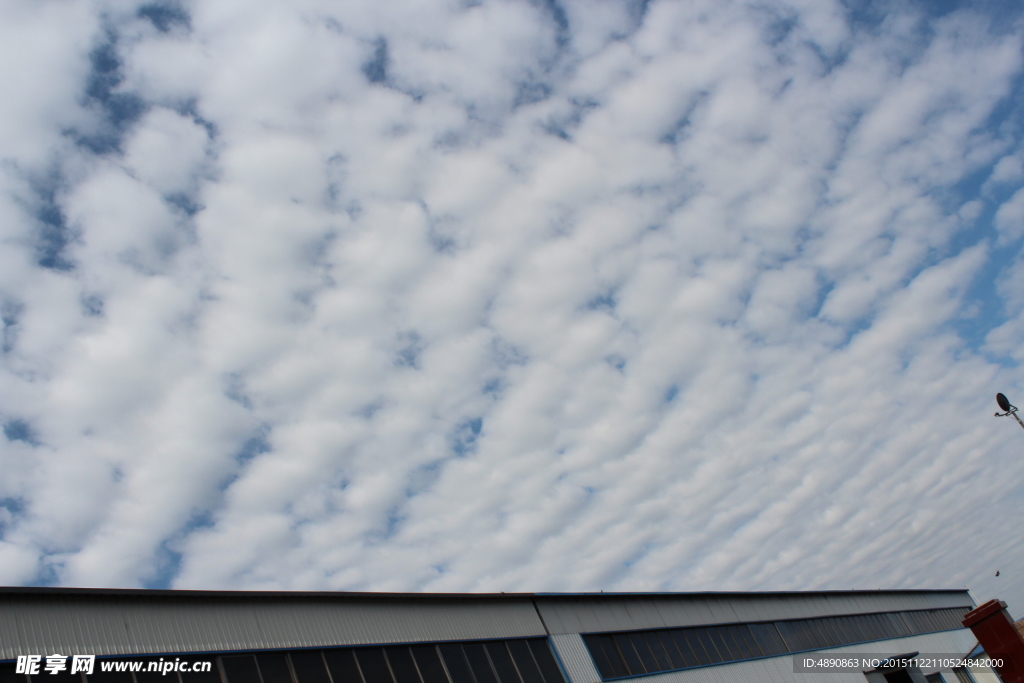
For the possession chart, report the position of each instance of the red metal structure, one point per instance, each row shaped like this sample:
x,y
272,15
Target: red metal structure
x,y
994,629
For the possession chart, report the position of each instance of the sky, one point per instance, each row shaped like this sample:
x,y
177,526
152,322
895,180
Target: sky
x,y
512,295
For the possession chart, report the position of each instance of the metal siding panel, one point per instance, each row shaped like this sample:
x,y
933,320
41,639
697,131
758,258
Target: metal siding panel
x,y
575,657
607,618
594,611
424,622
810,606
573,613
760,610
216,627
719,611
702,612
777,608
675,613
109,626
745,610
776,670
780,669
552,616
54,623
320,625
821,605
647,614
787,609
845,605
669,613
115,625
651,613
105,624
633,610
617,612
590,614
277,623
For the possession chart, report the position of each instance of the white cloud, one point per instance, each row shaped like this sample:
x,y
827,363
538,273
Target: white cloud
x,y
1008,170
167,151
509,297
1010,218
43,63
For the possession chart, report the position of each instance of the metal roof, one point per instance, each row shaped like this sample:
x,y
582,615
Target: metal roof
x,y
139,623
585,614
69,590
781,669
37,620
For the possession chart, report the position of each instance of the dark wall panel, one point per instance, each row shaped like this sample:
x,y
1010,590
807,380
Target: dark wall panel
x,y
240,669
342,665
309,666
428,662
636,653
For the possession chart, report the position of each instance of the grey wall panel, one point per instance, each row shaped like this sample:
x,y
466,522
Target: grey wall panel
x,y
780,669
117,625
145,622
575,658
593,614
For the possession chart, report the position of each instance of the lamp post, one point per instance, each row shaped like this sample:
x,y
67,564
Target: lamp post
x,y
1008,409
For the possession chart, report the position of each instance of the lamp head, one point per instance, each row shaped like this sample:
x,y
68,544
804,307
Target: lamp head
x,y
1004,403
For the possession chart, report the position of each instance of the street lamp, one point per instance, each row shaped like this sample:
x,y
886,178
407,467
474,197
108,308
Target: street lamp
x,y
1008,409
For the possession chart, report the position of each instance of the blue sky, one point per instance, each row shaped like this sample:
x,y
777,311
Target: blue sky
x,y
506,295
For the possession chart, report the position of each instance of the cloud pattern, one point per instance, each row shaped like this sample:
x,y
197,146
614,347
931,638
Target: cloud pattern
x,y
445,295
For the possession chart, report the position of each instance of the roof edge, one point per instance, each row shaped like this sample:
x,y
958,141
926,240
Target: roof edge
x,y
175,593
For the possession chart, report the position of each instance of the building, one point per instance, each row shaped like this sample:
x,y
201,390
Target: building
x,y
997,636
292,637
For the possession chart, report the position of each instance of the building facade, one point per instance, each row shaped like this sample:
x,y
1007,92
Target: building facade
x,y
132,636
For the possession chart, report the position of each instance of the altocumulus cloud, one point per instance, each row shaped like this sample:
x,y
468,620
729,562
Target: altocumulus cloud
x,y
511,295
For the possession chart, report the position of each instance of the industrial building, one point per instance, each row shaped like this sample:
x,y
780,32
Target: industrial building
x,y
296,637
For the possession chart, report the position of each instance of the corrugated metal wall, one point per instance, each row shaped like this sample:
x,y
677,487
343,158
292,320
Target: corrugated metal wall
x,y
590,613
141,622
77,624
780,669
575,657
